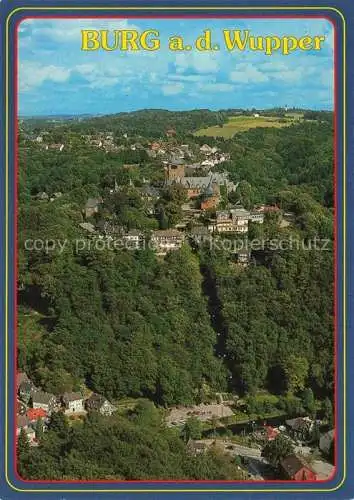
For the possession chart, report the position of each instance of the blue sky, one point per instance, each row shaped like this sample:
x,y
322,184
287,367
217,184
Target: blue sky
x,y
56,77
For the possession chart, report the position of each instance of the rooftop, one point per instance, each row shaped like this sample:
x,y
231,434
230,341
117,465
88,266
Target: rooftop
x,y
167,233
134,232
72,396
239,212
41,397
87,226
93,202
293,463
36,413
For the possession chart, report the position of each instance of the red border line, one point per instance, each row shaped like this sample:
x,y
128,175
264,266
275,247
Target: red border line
x,y
335,145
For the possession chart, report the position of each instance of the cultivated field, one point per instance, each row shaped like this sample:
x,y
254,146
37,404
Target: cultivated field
x,y
243,123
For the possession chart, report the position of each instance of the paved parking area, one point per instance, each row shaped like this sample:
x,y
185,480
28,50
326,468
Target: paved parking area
x,y
178,416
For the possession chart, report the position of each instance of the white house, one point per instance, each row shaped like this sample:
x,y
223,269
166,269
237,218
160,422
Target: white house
x,y
43,400
74,403
133,239
257,217
163,241
96,402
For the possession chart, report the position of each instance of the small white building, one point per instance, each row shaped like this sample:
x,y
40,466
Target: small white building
x,y
205,149
99,403
74,403
43,400
133,239
163,241
257,217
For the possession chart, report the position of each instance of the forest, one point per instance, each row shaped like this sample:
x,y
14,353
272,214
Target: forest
x,y
177,329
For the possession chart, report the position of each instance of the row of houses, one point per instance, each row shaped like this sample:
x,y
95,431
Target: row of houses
x,y
35,404
233,221
165,151
161,241
169,152
213,155
164,240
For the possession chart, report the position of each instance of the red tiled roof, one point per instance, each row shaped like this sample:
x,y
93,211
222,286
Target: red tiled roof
x,y
271,432
36,413
293,464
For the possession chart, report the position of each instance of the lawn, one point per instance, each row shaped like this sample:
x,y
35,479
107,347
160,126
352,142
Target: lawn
x,y
242,123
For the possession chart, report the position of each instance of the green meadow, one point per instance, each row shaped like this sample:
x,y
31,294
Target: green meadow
x,y
243,123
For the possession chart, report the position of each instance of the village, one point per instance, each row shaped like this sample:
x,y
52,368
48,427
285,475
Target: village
x,y
206,213
203,217
35,406
244,440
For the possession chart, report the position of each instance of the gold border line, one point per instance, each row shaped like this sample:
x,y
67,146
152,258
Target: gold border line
x,y
179,490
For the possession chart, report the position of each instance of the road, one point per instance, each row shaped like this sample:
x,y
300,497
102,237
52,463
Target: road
x,y
256,464
243,451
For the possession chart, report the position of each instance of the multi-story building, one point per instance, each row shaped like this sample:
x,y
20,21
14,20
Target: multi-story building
x,y
231,221
164,241
74,402
240,217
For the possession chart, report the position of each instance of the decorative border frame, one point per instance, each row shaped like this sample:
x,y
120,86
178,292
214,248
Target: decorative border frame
x,y
9,244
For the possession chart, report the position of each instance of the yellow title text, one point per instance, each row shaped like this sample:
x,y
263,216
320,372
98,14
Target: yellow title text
x,y
232,41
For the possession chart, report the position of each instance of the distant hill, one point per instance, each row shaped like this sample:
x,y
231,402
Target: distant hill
x,y
156,123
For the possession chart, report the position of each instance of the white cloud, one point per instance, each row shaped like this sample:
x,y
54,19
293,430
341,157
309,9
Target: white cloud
x,y
197,61
188,75
172,89
104,74
69,30
191,78
33,74
271,67
294,74
247,73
